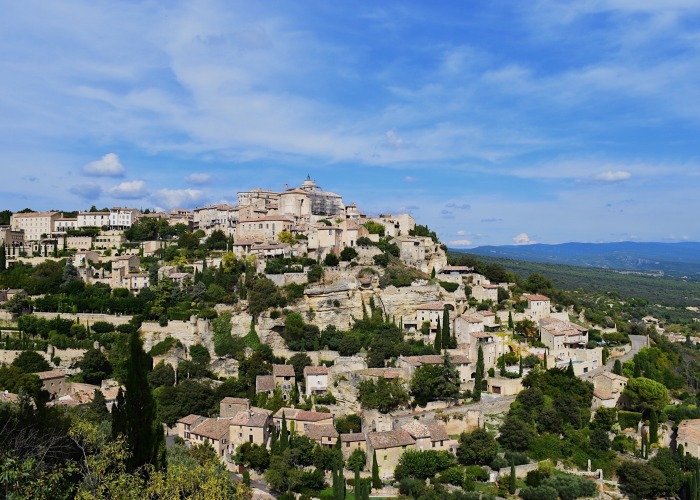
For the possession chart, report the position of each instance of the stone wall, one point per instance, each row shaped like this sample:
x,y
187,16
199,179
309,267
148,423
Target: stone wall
x,y
68,356
194,331
86,318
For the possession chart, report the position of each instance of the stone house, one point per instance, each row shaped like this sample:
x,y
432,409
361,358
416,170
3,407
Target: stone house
x,y
266,228
389,446
485,292
430,437
316,380
214,431
110,239
185,425
558,335
351,442
265,383
123,217
54,382
250,426
324,434
229,407
538,307
301,420
284,378
93,219
409,364
607,389
689,436
36,225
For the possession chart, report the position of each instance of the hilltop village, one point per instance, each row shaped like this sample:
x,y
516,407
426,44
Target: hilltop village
x,y
314,350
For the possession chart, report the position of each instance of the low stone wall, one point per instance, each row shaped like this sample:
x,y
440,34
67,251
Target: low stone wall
x,y
68,356
520,470
287,278
86,318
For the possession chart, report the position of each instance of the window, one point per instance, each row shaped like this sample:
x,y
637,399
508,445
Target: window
x,y
347,445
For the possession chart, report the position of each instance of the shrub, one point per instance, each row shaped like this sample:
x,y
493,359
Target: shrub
x,y
102,327
274,314
628,419
450,287
331,260
453,475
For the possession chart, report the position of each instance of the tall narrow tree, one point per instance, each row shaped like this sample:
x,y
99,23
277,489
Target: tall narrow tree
x,y
119,416
653,427
511,484
3,258
520,365
511,326
479,375
617,367
376,482
144,432
447,339
284,434
438,338
570,369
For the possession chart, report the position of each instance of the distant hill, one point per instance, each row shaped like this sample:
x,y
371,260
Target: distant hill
x,y
671,259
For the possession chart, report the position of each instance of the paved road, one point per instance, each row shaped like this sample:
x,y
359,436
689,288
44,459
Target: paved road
x,y
638,341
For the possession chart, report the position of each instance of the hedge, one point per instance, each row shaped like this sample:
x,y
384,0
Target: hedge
x,y
628,419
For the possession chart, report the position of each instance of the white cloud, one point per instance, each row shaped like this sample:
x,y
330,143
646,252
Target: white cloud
x,y
461,232
171,198
107,166
610,176
87,191
523,239
460,243
393,139
129,190
198,178
408,178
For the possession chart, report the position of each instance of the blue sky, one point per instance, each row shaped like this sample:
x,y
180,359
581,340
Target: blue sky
x,y
491,122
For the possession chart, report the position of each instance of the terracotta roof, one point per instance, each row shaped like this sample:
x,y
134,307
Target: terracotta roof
x,y
255,417
433,306
416,429
282,370
191,419
472,319
315,370
689,430
35,214
235,401
602,394
213,428
611,375
353,437
320,431
264,383
438,432
390,439
535,296
50,374
302,415
379,372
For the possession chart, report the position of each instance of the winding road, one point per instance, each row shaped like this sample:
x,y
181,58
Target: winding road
x,y
638,341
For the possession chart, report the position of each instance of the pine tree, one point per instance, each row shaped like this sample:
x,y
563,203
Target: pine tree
x,y
511,484
438,338
479,375
284,435
653,427
376,482
144,432
447,341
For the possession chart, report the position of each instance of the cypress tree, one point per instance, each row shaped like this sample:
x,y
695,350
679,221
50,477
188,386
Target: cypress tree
x,y
447,340
284,435
511,326
637,370
365,317
511,484
479,375
274,435
520,366
376,482
438,338
502,364
144,431
570,369
680,451
545,358
432,273
119,416
3,258
653,427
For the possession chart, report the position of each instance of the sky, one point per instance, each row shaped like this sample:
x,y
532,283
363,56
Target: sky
x,y
493,123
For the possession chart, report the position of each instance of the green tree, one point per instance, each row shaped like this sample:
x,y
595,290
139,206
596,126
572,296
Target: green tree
x,y
511,326
478,447
284,435
516,435
641,480
3,258
384,395
94,366
438,338
331,260
357,460
376,482
144,433
70,273
646,394
665,461
653,427
31,362
435,382
479,375
347,254
511,482
423,464
163,374
286,237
